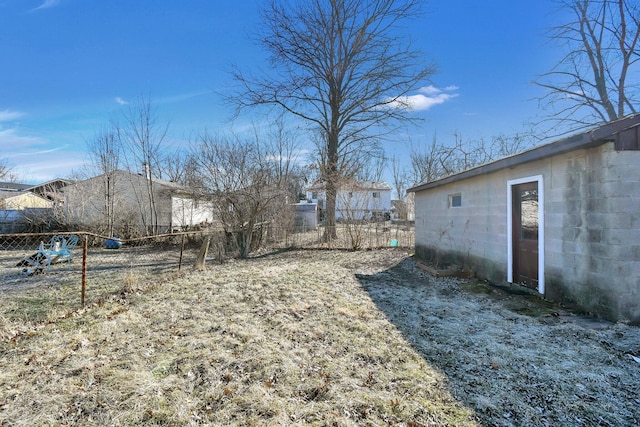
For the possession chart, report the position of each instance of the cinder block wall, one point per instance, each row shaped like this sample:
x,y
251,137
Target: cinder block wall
x,y
592,215
474,234
592,227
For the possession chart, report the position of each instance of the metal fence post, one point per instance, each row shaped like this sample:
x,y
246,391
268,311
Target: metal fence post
x,y
181,252
85,245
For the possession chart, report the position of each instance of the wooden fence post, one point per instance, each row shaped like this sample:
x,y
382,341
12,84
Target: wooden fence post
x,y
202,256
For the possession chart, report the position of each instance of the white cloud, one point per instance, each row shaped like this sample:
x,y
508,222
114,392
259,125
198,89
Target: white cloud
x,y
298,156
8,115
120,101
35,159
10,140
46,5
43,168
427,97
429,90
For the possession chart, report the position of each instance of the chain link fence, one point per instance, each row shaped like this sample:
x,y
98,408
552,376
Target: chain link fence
x,y
100,268
351,236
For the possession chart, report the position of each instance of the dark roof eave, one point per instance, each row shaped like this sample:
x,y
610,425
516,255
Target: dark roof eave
x,y
595,137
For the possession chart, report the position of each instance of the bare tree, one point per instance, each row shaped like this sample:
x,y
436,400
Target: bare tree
x,y
342,67
353,205
286,157
438,160
370,168
401,180
6,173
504,145
178,166
105,152
142,134
431,162
246,187
596,79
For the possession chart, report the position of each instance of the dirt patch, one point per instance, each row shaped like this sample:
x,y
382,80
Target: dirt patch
x,y
315,338
518,299
446,271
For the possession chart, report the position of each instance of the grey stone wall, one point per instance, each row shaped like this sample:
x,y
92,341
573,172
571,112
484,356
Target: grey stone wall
x,y
593,231
592,227
474,234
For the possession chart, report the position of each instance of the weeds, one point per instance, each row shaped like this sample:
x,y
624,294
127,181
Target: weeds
x,y
268,341
320,338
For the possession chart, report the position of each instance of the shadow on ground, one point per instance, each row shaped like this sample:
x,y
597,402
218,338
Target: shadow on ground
x,y
511,356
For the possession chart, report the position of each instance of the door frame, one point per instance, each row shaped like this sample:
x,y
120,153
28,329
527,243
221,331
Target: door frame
x,y
510,184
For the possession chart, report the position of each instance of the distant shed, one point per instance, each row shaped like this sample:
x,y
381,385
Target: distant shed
x,y
306,216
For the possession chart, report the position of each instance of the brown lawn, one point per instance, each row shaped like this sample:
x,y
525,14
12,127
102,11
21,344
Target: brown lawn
x,y
306,338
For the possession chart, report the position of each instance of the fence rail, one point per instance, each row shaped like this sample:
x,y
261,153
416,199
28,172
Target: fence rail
x,y
100,272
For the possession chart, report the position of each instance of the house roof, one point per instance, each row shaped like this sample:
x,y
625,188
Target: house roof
x,y
621,131
13,186
302,207
355,185
45,186
167,184
48,186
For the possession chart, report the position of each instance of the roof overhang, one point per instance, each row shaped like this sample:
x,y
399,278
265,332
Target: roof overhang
x,y
606,133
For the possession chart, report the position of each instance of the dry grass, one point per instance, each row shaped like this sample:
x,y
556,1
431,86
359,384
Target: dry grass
x,y
354,236
57,291
310,338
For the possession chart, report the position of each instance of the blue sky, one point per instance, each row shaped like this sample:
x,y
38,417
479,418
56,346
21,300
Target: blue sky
x,y
70,65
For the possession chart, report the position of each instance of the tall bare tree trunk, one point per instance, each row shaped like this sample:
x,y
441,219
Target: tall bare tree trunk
x,y
332,179
343,67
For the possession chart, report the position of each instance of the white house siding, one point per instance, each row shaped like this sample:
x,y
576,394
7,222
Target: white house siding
x,y
187,212
411,207
361,204
591,227
357,203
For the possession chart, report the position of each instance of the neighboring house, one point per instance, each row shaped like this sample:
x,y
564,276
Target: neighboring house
x,y
125,197
356,200
562,218
411,207
399,210
17,206
51,190
19,200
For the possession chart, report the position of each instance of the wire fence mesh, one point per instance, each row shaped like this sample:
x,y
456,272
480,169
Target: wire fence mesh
x,y
100,268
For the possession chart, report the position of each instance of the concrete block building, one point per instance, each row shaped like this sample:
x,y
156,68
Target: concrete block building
x,y
562,218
